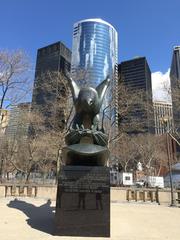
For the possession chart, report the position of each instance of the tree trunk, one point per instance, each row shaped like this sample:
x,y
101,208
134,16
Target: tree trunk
x,y
7,174
27,177
58,164
1,169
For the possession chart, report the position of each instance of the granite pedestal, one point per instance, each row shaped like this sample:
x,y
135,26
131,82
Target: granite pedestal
x,y
83,202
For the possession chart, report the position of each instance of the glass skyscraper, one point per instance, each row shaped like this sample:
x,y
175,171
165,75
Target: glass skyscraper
x,y
175,86
94,56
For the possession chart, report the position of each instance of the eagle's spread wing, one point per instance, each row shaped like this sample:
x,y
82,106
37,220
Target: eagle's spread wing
x,y
101,89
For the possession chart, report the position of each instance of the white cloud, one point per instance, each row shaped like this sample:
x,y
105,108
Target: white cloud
x,y
160,86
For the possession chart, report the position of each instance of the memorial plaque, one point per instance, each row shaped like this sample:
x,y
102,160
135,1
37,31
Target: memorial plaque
x,y
83,201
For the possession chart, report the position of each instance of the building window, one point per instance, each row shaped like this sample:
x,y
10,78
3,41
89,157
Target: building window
x,y
127,178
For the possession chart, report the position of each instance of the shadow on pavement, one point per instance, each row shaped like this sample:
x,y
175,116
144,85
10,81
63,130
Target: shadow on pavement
x,y
40,218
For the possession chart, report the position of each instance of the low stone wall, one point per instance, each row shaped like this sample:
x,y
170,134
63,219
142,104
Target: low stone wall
x,y
165,196
2,191
118,194
47,192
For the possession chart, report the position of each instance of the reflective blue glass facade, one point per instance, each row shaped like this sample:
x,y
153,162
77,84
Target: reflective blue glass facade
x,y
94,56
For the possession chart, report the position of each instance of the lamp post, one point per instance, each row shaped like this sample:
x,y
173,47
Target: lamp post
x,y
169,155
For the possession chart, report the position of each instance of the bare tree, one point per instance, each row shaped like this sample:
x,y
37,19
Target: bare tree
x,y
55,102
135,116
47,124
14,81
148,149
8,150
126,153
56,108
24,153
152,152
35,153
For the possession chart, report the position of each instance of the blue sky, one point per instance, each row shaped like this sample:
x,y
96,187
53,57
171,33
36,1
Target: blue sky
x,y
146,27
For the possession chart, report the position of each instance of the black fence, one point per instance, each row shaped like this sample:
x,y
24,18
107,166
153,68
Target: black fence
x,y
33,178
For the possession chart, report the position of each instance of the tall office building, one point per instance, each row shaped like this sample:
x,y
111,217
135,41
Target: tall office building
x,y
54,58
136,76
18,125
163,112
175,86
94,56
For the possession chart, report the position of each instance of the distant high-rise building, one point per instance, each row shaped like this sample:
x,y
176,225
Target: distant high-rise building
x,y
18,126
4,119
163,117
94,56
175,86
54,58
135,74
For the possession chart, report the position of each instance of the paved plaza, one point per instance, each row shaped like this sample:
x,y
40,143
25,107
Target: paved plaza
x,y
28,218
